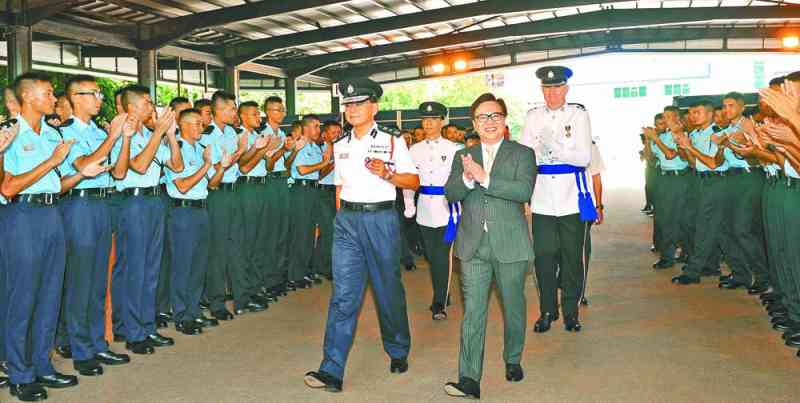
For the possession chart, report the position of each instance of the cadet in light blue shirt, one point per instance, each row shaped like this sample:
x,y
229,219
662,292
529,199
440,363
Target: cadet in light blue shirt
x,y
675,164
702,142
29,150
224,140
88,138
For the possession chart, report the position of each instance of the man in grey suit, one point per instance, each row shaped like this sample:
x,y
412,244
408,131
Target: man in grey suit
x,y
492,180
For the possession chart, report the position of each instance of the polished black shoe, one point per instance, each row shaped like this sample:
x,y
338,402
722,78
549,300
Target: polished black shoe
x,y
791,333
398,365
584,301
166,316
514,372
3,382
685,280
663,264
204,304
88,367
572,324
707,272
64,351
726,277
189,327
543,324
757,288
111,358
4,367
437,312
203,321
157,340
793,342
57,380
323,380
161,324
140,347
778,314
783,324
769,297
732,284
290,286
118,338
466,388
28,392
316,278
410,267
264,299
222,314
296,285
250,307
653,248
683,258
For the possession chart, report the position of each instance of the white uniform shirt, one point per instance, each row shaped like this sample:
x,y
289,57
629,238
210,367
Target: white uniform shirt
x,y
434,159
561,136
358,184
597,166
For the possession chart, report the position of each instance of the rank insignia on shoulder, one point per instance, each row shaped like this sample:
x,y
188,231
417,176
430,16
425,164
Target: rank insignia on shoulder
x,y
208,130
390,130
577,105
67,123
568,128
8,123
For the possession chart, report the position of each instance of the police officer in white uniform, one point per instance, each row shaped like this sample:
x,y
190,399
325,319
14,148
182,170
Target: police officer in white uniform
x,y
560,134
434,158
370,165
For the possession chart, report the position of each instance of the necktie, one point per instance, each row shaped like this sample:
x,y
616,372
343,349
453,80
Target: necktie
x,y
489,158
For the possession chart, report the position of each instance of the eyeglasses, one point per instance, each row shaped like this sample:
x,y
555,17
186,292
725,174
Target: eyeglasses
x,y
485,117
97,94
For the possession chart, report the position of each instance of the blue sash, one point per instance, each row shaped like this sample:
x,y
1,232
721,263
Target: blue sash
x,y
585,202
455,212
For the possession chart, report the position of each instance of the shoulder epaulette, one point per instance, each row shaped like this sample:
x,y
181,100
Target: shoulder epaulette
x,y
344,135
8,123
390,131
579,106
67,123
238,130
716,129
209,129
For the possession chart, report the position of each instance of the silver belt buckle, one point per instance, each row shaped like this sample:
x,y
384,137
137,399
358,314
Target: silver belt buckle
x,y
48,198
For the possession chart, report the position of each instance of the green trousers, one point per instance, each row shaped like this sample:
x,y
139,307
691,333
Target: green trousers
x,y
773,230
226,255
650,175
692,207
745,229
303,215
668,220
476,281
655,185
253,204
791,249
559,246
277,227
708,224
326,212
437,252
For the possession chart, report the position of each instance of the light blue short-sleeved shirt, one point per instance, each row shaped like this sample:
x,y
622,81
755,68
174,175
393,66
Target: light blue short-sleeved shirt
x,y
701,139
280,164
192,161
789,170
772,169
328,180
261,168
150,178
733,159
224,140
88,138
310,154
28,150
675,164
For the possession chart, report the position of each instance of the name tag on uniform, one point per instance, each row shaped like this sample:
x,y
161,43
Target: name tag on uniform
x,y
27,148
344,156
379,149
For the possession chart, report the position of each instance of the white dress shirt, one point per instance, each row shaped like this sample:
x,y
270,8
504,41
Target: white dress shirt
x,y
434,160
560,136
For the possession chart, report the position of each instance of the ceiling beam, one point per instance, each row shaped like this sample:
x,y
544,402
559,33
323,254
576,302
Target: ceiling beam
x,y
594,21
33,14
156,35
254,49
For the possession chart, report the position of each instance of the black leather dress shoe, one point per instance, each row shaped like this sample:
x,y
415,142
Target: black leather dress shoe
x,y
289,286
111,358
726,277
188,327
769,296
316,278
88,367
543,324
572,324
28,392
732,284
203,321
778,314
514,372
118,338
653,248
410,267
204,304
323,380
157,340
783,324
793,342
167,316
140,347
64,351
4,367
263,299
791,333
584,301
161,324
685,280
250,307
398,365
296,285
683,258
437,312
662,264
222,315
57,380
466,388
3,382
757,288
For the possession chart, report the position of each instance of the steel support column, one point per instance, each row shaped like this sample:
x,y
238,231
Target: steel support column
x,y
20,55
147,71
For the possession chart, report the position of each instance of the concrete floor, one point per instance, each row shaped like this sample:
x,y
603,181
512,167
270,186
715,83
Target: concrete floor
x,y
644,340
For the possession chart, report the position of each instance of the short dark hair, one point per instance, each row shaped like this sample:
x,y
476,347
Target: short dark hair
x,y
118,92
307,119
330,123
187,112
487,97
28,79
658,116
738,97
297,124
793,76
131,93
247,104
777,81
672,108
202,102
60,94
705,103
273,99
177,101
221,96
77,79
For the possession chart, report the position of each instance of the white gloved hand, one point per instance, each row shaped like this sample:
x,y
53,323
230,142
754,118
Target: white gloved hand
x,y
410,211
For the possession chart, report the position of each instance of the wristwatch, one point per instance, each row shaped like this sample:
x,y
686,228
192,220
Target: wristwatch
x,y
599,207
388,175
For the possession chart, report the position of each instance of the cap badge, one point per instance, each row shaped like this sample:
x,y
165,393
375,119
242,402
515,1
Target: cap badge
x,y
350,89
550,74
430,108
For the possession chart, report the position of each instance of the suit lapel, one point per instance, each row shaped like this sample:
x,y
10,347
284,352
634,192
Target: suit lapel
x,y
477,154
500,154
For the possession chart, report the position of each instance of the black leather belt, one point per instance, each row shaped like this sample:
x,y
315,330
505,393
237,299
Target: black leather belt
x,y
253,180
367,207
711,174
305,182
674,172
93,193
189,203
277,175
150,191
326,187
227,187
44,199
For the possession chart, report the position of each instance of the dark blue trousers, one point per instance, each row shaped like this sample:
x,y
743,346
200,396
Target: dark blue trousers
x,y
35,277
87,227
115,203
142,229
189,234
4,234
365,245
